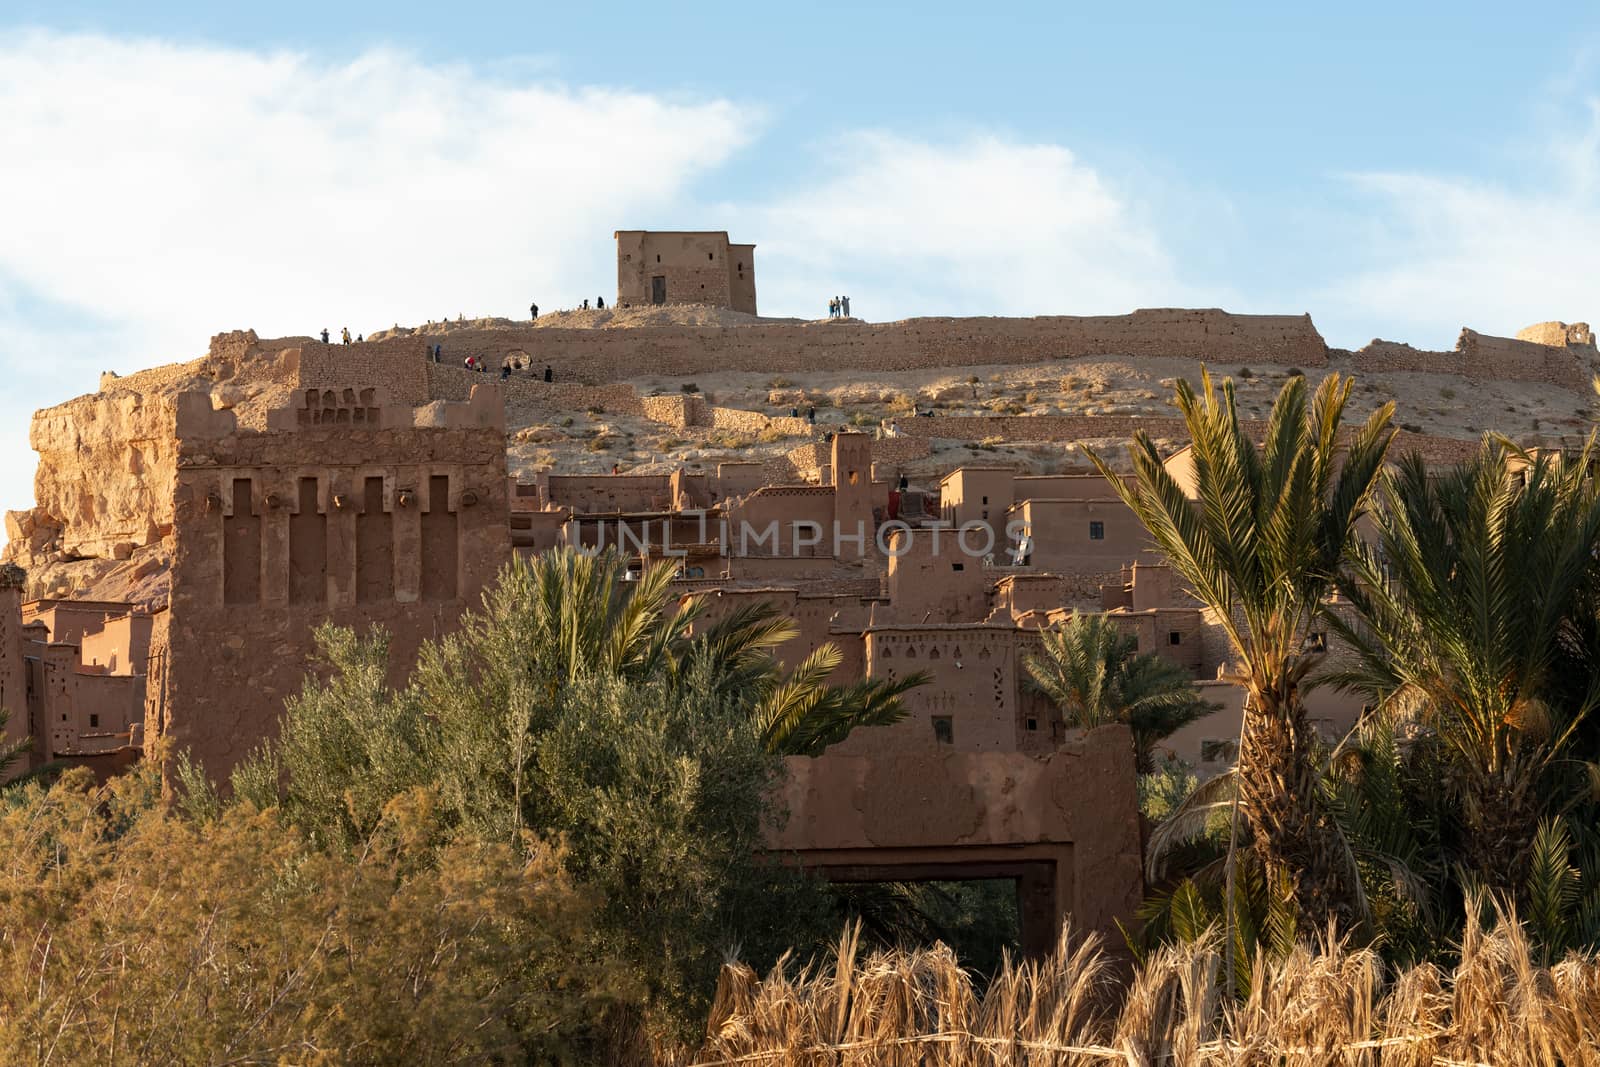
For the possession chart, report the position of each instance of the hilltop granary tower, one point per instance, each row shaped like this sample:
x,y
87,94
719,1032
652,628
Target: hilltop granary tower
x,y
683,267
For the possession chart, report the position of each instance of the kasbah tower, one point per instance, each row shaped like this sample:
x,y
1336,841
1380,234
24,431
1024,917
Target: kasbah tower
x,y
194,523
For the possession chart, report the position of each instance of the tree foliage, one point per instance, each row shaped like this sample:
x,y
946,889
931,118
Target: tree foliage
x,y
1089,669
1261,546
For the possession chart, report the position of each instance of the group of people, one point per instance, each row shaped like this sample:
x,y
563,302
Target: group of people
x,y
344,336
811,414
839,307
599,304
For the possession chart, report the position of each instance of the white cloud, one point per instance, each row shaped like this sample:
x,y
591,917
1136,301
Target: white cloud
x,y
979,226
1446,252
156,193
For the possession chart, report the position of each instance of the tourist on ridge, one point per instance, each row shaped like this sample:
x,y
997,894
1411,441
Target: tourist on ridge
x,y
600,302
533,311
844,302
833,309
360,338
324,335
586,303
549,376
345,334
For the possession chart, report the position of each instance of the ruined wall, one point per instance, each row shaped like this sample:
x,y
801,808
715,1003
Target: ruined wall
x,y
394,525
1548,353
398,365
609,493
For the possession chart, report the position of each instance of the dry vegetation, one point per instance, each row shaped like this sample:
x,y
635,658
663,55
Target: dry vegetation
x,y
1331,1006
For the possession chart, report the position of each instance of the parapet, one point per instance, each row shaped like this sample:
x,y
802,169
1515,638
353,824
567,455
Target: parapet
x,y
197,417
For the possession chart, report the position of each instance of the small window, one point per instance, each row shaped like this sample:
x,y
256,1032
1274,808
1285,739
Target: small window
x,y
1033,724
711,256
1174,638
658,257
94,721
985,500
958,566
1097,531
944,730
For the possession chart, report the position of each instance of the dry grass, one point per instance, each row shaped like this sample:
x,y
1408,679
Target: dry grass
x,y
1334,1006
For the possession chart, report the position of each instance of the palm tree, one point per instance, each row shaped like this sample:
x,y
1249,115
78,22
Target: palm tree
x,y
1463,607
1260,547
583,613
1091,672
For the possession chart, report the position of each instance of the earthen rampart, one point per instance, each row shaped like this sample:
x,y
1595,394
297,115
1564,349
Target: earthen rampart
x,y
606,355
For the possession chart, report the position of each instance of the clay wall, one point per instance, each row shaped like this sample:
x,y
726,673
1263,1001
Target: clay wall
x,y
1074,811
399,526
608,494
70,621
970,706
1173,633
121,646
87,713
1077,536
978,495
742,278
932,579
782,520
1035,600
785,347
780,568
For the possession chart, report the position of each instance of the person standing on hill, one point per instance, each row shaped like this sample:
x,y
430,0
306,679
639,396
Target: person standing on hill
x,y
324,335
844,303
533,311
345,334
600,302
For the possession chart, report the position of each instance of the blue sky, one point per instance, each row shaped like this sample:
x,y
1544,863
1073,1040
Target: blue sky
x,y
174,170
